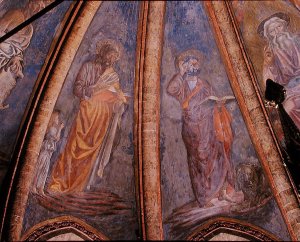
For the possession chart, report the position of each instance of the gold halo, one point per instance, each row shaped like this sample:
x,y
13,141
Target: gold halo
x,y
189,53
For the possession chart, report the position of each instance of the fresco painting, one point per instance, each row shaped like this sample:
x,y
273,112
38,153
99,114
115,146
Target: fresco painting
x,y
21,10
21,59
92,134
206,132
11,51
273,44
52,136
85,167
209,165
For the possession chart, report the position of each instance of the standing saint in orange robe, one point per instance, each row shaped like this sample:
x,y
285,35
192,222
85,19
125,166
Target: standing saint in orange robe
x,y
89,144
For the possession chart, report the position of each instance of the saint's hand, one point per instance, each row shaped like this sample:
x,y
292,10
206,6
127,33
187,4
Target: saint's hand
x,y
269,58
182,69
88,92
62,125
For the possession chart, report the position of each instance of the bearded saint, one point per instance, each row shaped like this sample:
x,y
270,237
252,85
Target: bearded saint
x,y
90,140
282,60
206,133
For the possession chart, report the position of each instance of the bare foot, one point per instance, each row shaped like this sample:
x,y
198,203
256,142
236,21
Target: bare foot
x,y
233,196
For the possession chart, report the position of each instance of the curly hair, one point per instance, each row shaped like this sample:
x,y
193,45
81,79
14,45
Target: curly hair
x,y
187,55
108,50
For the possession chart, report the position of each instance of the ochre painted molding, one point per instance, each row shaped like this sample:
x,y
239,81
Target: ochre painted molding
x,y
245,88
150,120
138,95
87,11
231,226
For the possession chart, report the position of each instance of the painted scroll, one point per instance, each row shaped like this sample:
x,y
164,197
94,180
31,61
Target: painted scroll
x,y
85,165
208,160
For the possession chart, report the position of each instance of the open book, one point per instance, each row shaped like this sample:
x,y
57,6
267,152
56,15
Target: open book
x,y
218,99
221,99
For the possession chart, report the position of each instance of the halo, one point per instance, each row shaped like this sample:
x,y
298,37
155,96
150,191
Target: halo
x,y
116,45
39,5
189,53
283,16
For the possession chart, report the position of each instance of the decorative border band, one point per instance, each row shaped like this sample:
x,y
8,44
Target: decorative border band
x,y
231,226
150,120
47,229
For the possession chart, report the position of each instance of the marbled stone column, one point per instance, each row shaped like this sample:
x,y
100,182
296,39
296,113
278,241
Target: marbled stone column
x,y
150,117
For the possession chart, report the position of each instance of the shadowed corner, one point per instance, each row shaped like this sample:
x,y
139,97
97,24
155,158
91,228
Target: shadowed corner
x,y
275,96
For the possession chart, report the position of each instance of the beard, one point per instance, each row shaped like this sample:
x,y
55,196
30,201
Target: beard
x,y
194,72
283,42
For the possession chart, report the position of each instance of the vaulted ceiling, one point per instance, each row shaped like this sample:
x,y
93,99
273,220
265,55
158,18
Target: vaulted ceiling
x,y
147,120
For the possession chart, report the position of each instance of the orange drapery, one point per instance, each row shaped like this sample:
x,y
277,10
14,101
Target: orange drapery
x,y
73,167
